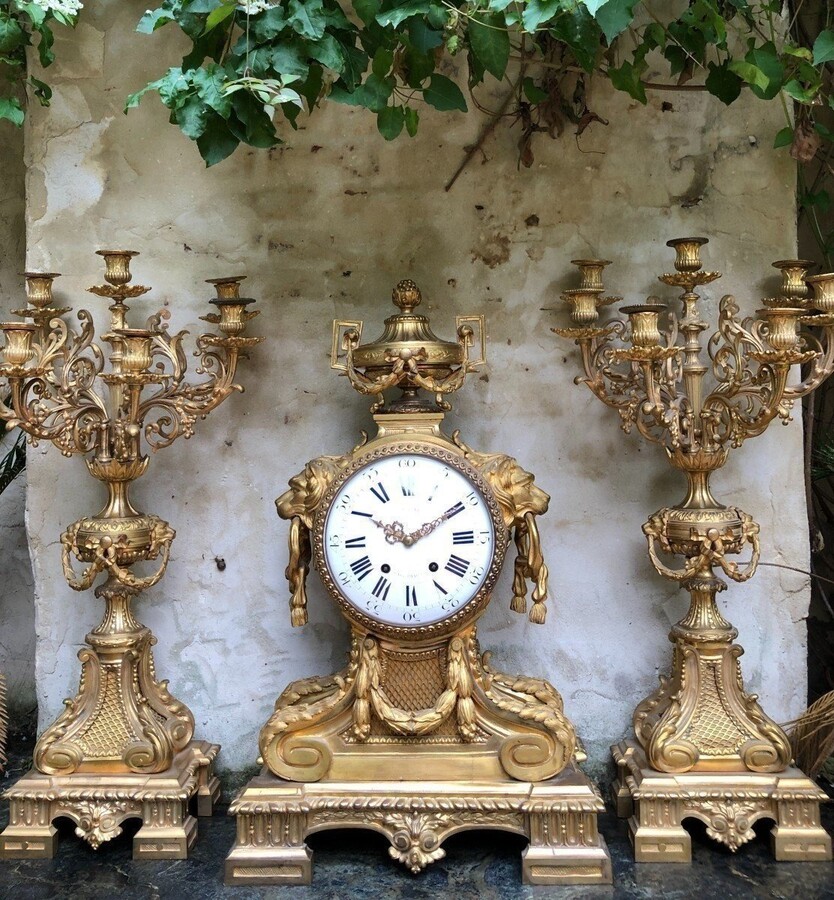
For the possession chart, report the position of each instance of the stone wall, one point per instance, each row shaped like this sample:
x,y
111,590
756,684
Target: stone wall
x,y
324,227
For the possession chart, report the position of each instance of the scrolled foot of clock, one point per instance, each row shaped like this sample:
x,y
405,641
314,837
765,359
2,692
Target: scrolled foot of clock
x,y
559,818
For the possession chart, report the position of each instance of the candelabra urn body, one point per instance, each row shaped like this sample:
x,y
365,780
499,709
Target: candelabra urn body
x,y
703,747
123,746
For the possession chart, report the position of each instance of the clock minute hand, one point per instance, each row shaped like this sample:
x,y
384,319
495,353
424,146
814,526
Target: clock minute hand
x,y
424,530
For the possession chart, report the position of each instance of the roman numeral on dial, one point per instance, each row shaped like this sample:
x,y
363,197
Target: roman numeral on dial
x,y
463,537
380,493
361,567
355,542
453,510
381,588
410,595
457,565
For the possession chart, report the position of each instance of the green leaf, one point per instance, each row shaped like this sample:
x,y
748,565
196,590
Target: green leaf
x,y
216,16
328,52
390,122
412,120
627,78
290,58
614,17
577,28
767,59
538,11
366,9
11,110
155,18
749,73
307,18
532,91
824,47
800,52
41,90
36,13
490,42
373,94
417,67
798,92
45,54
405,11
422,37
723,82
382,62
191,117
12,35
783,137
210,83
216,142
444,94
250,123
268,24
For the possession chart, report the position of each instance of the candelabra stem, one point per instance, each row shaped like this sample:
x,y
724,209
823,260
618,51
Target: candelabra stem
x,y
698,494
122,719
693,369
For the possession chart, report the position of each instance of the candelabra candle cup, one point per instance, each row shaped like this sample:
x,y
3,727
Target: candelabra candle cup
x,y
644,319
687,252
227,288
232,315
590,271
136,349
117,265
782,327
794,272
18,349
584,304
823,288
39,288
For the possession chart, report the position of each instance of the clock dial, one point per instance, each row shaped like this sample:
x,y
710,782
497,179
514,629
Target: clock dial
x,y
408,540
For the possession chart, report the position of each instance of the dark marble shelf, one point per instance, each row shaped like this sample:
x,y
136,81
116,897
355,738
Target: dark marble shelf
x,y
355,866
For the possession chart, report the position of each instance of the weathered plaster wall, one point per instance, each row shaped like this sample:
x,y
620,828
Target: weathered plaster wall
x,y
324,228
17,611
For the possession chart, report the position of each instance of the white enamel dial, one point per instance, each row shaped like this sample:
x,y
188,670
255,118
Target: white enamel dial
x,y
409,540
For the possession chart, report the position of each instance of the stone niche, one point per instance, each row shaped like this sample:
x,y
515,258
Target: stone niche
x,y
324,227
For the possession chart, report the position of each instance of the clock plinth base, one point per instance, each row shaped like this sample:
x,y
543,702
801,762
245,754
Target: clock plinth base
x,y
98,804
728,803
558,816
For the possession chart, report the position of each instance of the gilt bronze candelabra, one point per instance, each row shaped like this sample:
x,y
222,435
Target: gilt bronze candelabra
x,y
123,746
705,748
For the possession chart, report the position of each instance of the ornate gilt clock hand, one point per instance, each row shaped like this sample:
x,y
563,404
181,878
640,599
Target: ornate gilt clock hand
x,y
393,533
424,530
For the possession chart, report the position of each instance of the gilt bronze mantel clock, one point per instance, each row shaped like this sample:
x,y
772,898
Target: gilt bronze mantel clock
x,y
419,737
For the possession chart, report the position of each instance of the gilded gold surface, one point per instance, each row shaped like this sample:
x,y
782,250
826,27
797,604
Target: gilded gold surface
x,y
656,803
700,721
123,736
418,737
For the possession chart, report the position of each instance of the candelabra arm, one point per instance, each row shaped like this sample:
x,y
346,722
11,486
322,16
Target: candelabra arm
x,y
821,367
178,405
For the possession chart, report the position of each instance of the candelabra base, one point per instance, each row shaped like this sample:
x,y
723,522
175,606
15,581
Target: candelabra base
x,y
558,816
98,804
729,804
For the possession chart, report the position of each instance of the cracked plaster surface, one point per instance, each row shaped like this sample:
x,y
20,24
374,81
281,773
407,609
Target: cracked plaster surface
x,y
327,233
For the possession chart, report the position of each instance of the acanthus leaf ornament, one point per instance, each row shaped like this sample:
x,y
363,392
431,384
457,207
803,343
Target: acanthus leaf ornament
x,y
124,726
408,533
700,724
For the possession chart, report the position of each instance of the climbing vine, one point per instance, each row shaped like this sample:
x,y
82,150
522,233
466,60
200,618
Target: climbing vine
x,y
24,25
254,60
